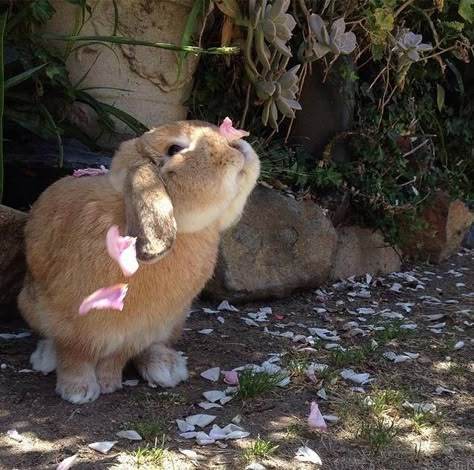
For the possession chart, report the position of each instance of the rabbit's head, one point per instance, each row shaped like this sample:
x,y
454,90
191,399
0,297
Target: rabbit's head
x,y
181,177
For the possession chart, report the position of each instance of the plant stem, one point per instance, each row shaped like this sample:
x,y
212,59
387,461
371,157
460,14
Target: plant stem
x,y
247,103
137,42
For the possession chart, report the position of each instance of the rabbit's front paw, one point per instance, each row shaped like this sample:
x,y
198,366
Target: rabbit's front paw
x,y
78,391
44,357
162,366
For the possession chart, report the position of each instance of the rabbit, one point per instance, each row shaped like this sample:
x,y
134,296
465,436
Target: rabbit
x,y
175,189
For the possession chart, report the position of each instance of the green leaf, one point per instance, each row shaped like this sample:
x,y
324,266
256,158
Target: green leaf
x,y
440,95
41,10
384,19
466,10
21,77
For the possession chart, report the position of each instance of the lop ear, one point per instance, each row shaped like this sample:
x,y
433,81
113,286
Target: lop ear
x,y
149,212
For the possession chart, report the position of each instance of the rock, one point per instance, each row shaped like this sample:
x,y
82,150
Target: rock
x,y
446,223
468,241
12,262
279,245
360,251
142,81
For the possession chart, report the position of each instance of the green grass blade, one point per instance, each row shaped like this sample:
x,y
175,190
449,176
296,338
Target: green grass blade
x,y
3,22
137,42
130,121
21,77
188,30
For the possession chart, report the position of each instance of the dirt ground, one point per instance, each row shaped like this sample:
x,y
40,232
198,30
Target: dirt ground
x,y
376,428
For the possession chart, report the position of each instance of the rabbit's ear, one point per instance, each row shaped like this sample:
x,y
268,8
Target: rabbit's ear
x,y
149,212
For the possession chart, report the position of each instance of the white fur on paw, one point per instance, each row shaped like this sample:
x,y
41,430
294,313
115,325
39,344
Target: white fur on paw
x,y
162,366
110,384
44,357
78,392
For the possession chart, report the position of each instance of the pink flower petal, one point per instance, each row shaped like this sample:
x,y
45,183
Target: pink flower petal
x,y
315,418
105,298
122,250
90,172
231,377
229,132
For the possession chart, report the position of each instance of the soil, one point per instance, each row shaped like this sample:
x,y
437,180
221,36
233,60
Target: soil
x,y
53,429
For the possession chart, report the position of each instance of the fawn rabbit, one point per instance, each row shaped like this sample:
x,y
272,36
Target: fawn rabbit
x,y
175,189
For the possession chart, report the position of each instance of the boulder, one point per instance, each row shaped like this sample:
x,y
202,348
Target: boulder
x,y
362,250
446,221
468,241
279,245
12,262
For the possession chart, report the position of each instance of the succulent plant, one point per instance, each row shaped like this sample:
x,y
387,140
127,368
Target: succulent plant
x,y
273,29
337,41
408,46
279,95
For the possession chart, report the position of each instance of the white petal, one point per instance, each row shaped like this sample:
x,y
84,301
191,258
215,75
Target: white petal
x,y
225,305
349,374
220,320
212,374
441,390
131,435
67,463
305,454
322,394
188,435
225,400
206,331
203,439
200,420
331,418
15,435
130,383
209,310
214,395
459,345
255,466
103,447
191,454
183,426
284,382
266,310
207,406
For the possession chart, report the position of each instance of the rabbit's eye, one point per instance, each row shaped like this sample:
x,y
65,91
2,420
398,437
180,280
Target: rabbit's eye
x,y
174,149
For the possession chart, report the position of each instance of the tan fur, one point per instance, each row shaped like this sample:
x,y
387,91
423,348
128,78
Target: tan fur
x,y
207,187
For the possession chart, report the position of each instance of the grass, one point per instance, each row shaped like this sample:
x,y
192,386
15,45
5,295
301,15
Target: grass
x,y
150,430
385,401
259,449
377,433
351,357
457,369
392,331
149,457
424,419
294,431
254,384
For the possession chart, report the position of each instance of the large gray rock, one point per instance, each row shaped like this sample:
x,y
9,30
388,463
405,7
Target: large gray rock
x,y
468,241
279,245
12,263
360,251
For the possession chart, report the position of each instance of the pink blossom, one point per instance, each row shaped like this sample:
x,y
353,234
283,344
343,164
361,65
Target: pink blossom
x,y
229,132
231,377
105,298
315,418
90,172
122,250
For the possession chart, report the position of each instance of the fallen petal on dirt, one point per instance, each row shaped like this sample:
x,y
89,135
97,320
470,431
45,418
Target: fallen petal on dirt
x,y
130,435
15,435
200,420
315,418
102,447
67,463
212,374
305,454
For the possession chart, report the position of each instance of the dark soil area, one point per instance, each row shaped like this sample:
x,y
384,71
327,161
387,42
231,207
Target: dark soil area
x,y
376,427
